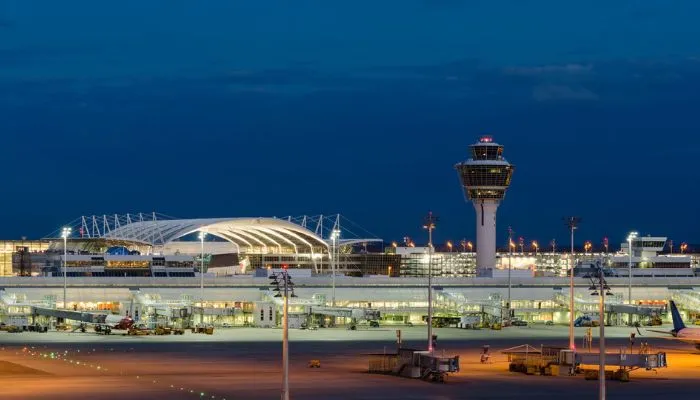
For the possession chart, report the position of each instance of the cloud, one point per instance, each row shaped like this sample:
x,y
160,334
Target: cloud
x,y
567,69
551,92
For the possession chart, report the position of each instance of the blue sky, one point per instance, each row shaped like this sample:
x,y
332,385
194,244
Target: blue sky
x,y
239,108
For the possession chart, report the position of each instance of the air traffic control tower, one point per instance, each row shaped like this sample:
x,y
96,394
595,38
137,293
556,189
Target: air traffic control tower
x,y
485,178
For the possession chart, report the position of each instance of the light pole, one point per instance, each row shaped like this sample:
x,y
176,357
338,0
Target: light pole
x,y
521,242
202,235
600,284
511,245
335,235
630,241
535,246
572,223
429,224
288,287
64,234
285,338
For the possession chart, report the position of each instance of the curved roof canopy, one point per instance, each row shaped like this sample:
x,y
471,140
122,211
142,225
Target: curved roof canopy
x,y
268,234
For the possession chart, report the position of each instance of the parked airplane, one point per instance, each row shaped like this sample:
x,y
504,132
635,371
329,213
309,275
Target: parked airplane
x,y
107,322
680,331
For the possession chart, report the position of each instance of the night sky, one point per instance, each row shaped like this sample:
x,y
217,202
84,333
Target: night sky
x,y
224,108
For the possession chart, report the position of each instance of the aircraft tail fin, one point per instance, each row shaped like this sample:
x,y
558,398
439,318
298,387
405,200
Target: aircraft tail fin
x,y
677,320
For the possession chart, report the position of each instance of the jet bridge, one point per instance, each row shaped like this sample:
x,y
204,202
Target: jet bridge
x,y
92,318
316,306
629,361
688,299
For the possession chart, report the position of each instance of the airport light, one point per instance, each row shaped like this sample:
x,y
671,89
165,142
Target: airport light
x,y
521,243
335,235
630,240
449,245
511,246
202,235
287,291
535,246
572,222
429,224
553,243
587,246
684,247
600,288
65,232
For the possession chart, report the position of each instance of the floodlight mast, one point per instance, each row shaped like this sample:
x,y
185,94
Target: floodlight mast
x,y
630,243
572,222
429,224
202,235
599,283
64,234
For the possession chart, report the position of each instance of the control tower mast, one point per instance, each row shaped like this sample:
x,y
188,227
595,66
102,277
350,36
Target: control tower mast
x,y
485,177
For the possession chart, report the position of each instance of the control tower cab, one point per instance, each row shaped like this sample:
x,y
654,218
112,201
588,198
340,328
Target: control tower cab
x,y
485,177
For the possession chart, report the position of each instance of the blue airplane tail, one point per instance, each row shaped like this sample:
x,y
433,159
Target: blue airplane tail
x,y
677,320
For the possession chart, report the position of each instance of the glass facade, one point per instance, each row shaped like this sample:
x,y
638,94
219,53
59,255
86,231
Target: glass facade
x,y
441,264
18,255
487,152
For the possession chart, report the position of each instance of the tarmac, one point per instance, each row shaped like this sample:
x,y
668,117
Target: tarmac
x,y
245,363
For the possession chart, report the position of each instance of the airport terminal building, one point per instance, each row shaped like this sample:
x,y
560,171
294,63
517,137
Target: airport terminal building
x,y
150,268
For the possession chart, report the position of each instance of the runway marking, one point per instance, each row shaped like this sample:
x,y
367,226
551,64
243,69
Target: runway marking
x,y
33,352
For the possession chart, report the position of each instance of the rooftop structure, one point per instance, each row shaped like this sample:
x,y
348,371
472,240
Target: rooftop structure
x,y
485,177
645,253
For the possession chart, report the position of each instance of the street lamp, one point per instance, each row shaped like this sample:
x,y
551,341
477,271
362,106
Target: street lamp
x,y
521,242
202,235
64,234
429,224
335,235
599,284
471,246
572,223
511,246
630,240
535,246
684,247
288,290
449,245
587,246
605,244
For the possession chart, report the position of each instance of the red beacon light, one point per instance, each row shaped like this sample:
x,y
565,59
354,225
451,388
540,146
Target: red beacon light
x,y
486,139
